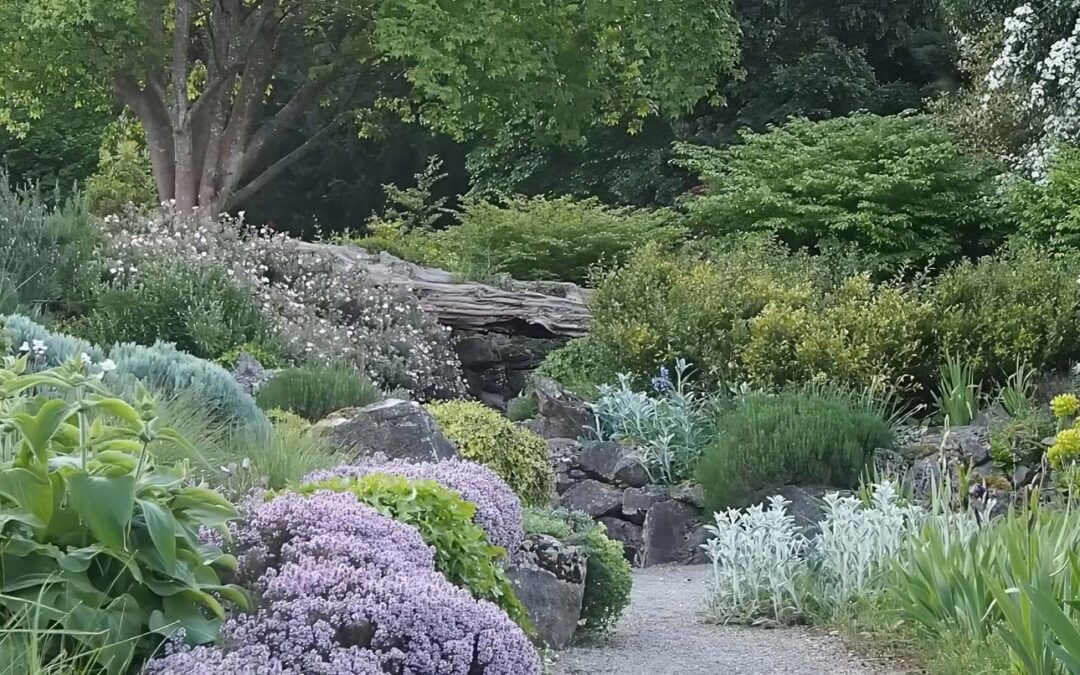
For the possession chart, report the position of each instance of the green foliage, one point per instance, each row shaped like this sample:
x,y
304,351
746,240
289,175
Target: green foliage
x,y
537,239
608,576
959,397
578,367
98,540
57,153
199,309
266,357
444,520
313,392
516,454
123,174
769,441
1049,212
170,372
1017,578
895,186
522,408
754,313
43,251
1021,304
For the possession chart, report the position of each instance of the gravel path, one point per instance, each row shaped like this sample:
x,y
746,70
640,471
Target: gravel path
x,y
662,633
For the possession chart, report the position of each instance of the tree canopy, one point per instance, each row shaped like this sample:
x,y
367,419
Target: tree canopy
x,y
215,83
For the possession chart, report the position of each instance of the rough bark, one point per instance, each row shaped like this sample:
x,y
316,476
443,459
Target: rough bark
x,y
537,310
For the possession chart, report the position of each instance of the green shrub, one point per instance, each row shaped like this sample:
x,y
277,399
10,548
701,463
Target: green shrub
x,y
608,577
199,309
537,239
170,372
43,251
483,435
1049,212
578,366
124,174
161,367
445,521
102,544
797,436
1021,304
896,186
313,392
267,357
522,408
544,238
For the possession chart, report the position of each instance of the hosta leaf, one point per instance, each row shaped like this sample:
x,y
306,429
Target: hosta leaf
x,y
105,504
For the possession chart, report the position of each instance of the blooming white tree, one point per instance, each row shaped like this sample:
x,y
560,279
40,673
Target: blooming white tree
x,y
1037,70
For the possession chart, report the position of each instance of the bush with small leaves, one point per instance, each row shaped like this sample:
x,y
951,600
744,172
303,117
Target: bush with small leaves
x,y
483,435
313,392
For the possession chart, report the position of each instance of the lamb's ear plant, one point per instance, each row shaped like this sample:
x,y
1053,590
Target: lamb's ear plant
x,y
95,534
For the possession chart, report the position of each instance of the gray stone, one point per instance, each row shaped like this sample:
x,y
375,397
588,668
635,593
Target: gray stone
x,y
497,366
475,351
889,464
593,498
970,442
565,561
666,534
601,459
553,605
697,540
250,374
628,534
691,493
1022,476
636,502
560,414
632,472
390,429
806,506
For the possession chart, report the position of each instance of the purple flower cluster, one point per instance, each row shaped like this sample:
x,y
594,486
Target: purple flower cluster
x,y
498,509
343,590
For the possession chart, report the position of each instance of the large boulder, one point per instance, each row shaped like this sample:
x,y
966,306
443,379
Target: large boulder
x,y
560,414
629,535
636,502
612,462
387,430
549,579
667,533
593,498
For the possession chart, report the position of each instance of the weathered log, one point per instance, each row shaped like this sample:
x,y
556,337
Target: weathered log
x,y
541,309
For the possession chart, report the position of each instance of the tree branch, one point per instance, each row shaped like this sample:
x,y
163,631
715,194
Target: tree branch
x,y
274,170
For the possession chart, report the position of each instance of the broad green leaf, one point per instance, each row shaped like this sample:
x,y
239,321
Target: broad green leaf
x,y
37,429
118,408
162,526
105,504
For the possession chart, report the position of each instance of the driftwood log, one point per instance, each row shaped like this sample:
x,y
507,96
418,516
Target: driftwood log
x,y
539,310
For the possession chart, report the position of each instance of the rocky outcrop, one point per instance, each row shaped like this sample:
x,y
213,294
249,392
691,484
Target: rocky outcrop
x,y
549,579
390,429
497,367
560,414
656,524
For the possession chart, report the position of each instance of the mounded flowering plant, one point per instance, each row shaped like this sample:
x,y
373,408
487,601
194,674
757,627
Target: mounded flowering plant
x,y
344,590
317,310
445,521
498,510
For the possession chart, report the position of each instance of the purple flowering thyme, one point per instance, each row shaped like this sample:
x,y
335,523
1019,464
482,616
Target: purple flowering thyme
x,y
498,509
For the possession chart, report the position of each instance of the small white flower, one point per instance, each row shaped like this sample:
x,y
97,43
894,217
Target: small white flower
x,y
246,464
107,366
85,358
24,347
40,347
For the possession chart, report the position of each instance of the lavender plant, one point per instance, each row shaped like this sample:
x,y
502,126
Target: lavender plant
x,y
671,425
320,311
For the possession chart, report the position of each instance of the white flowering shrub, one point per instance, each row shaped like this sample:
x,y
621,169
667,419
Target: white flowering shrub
x,y
857,544
758,565
318,312
1037,72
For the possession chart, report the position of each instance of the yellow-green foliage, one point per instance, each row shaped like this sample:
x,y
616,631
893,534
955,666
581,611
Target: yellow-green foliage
x,y
483,435
1065,406
1066,448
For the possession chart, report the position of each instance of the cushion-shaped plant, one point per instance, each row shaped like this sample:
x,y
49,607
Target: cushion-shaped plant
x,y
483,435
498,510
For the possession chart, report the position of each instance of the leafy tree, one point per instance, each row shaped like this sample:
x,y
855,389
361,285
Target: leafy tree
x,y
214,84
896,186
